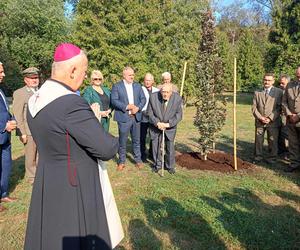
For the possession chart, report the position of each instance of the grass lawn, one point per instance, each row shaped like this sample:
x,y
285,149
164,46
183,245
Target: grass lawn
x,y
258,209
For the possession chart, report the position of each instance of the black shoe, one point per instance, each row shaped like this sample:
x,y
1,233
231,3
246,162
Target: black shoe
x,y
155,169
257,160
270,161
290,169
171,171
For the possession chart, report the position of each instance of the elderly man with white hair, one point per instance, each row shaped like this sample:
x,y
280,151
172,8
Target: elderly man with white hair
x,y
165,112
166,78
68,208
148,89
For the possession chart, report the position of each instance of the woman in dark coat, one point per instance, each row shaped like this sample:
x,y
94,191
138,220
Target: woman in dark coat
x,y
97,93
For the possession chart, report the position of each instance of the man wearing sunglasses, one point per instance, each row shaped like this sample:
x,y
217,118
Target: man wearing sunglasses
x,y
20,102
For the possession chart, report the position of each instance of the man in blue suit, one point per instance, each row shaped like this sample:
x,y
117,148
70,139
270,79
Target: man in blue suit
x,y
6,126
128,100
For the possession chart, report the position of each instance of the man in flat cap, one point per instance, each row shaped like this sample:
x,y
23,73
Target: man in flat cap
x,y
6,126
70,207
20,102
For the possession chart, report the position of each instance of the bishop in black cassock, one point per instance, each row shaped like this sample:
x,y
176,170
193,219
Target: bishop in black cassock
x,y
67,209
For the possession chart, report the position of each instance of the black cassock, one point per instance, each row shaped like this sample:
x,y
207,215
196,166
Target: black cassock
x,y
66,210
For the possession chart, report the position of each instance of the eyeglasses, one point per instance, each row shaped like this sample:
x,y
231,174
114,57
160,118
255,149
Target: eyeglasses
x,y
97,79
35,77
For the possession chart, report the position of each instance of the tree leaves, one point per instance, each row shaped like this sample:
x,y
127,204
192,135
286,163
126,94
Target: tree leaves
x,y
210,103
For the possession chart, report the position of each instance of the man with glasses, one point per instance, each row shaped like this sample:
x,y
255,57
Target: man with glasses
x,y
266,109
20,102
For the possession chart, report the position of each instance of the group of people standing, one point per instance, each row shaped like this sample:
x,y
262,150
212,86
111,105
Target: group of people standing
x,y
68,207
138,110
277,113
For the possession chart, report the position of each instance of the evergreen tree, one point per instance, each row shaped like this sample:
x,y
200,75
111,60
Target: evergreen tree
x,y
152,36
226,52
285,37
210,103
250,62
29,32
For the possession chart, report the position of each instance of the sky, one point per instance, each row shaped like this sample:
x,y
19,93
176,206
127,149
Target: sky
x,y
226,2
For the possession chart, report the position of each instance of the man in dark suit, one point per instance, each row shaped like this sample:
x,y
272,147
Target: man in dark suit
x,y
148,89
165,112
291,108
266,109
6,126
20,103
128,100
283,142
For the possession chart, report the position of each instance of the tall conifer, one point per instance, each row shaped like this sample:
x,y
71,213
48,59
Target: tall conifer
x,y
210,104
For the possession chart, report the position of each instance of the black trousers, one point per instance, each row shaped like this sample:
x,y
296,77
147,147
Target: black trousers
x,y
143,138
169,159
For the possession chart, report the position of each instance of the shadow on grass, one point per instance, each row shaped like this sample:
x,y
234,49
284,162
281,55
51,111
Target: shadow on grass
x,y
142,237
257,225
186,147
17,173
185,229
288,196
245,149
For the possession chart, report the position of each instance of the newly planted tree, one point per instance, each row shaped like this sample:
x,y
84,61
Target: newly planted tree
x,y
210,103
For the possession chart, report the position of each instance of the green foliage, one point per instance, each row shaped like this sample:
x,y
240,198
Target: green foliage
x,y
12,70
152,36
30,30
210,104
226,52
285,37
250,62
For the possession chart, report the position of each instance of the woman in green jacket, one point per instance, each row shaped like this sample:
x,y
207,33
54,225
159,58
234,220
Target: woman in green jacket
x,y
97,93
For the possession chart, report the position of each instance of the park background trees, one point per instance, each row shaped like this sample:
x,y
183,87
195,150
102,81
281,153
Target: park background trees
x,y
151,35
29,32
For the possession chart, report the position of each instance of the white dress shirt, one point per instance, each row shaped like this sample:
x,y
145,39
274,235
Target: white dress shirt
x,y
267,90
129,91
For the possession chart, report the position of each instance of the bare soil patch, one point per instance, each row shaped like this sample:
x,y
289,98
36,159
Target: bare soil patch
x,y
218,161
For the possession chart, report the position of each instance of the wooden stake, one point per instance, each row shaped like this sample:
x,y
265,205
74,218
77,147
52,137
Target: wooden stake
x,y
183,78
234,115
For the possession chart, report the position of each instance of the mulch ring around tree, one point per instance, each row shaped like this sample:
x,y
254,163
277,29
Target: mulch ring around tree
x,y
218,161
